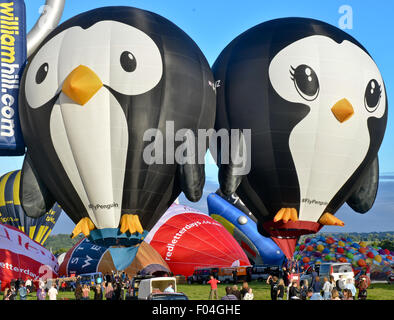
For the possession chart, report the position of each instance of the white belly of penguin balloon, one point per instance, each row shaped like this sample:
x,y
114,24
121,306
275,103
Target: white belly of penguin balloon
x,y
92,148
325,158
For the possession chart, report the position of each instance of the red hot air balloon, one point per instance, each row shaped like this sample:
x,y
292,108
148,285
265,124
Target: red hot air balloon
x,y
23,258
187,239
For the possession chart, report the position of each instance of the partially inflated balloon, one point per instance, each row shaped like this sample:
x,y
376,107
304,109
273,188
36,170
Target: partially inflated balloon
x,y
22,258
315,103
188,239
12,213
106,102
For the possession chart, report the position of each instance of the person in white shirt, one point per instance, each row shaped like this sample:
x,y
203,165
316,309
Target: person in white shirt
x,y
249,295
52,293
169,289
41,284
28,284
327,287
349,285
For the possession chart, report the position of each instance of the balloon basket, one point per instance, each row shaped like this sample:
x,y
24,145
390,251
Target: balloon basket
x,y
113,237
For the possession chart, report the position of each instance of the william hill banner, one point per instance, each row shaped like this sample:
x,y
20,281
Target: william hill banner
x,y
13,58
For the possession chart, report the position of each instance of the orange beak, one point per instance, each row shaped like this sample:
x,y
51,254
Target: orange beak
x,y
343,110
81,85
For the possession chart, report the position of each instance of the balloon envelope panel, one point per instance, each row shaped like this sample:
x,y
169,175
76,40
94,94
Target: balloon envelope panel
x,y
187,239
86,257
12,213
23,258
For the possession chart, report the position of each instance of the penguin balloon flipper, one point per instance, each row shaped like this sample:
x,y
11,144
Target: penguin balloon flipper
x,y
364,194
192,180
35,197
229,182
231,174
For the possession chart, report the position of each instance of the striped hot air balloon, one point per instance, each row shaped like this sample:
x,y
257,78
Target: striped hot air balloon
x,y
12,213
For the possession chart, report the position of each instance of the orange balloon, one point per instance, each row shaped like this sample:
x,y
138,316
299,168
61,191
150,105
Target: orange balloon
x,y
361,263
362,250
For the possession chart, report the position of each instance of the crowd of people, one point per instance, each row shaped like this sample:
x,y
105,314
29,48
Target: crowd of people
x,y
118,286
19,290
115,286
319,289
232,292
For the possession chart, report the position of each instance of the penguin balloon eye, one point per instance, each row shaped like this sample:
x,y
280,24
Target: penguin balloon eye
x,y
305,81
128,61
42,73
373,92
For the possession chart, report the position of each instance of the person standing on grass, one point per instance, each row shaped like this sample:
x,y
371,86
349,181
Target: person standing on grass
x,y
245,289
362,289
304,289
214,288
327,288
98,292
273,282
85,292
78,291
281,289
41,293
23,291
229,295
249,295
109,291
52,292
350,286
236,292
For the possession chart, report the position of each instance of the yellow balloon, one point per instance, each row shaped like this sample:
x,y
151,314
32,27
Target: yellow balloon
x,y
320,247
378,258
363,244
341,243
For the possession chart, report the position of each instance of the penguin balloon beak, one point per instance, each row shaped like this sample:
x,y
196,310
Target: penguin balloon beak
x,y
342,110
81,85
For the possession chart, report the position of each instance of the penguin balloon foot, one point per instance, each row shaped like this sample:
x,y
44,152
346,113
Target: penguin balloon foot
x,y
84,226
131,223
286,214
328,219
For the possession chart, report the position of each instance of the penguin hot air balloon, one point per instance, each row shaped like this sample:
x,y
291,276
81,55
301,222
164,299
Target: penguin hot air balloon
x,y
12,213
91,95
316,105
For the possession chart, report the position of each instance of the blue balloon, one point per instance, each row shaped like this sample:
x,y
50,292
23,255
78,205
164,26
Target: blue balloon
x,y
246,227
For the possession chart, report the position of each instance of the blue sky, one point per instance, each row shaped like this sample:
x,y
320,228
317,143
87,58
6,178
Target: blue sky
x,y
213,24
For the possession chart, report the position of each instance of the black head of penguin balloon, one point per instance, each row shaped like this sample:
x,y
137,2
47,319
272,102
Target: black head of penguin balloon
x,y
92,89
316,105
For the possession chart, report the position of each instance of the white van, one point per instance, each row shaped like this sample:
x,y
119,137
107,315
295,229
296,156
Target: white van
x,y
335,269
147,287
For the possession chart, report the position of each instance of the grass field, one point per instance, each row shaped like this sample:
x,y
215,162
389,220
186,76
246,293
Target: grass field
x,y
261,292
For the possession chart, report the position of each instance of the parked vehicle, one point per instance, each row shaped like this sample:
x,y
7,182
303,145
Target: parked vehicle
x,y
263,271
135,283
168,296
148,288
226,274
91,279
335,269
202,275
